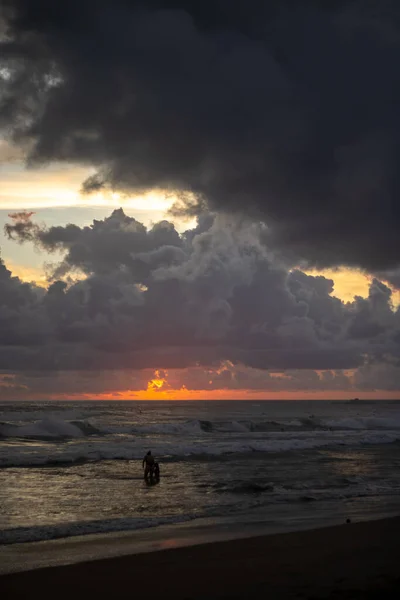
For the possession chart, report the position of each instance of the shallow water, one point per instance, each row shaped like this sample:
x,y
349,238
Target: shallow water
x,y
75,468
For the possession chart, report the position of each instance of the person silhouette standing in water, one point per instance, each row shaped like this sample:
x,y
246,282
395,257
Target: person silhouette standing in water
x,y
148,464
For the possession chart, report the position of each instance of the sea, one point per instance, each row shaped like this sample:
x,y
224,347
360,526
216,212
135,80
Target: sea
x,y
75,468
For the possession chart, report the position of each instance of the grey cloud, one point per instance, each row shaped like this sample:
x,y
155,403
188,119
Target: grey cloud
x,y
227,376
392,276
159,300
238,377
373,316
117,242
81,383
284,110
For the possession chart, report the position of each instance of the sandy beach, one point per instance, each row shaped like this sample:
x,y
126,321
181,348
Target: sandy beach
x,y
356,560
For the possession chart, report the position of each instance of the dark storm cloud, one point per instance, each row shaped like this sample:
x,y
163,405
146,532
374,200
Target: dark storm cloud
x,y
151,298
286,110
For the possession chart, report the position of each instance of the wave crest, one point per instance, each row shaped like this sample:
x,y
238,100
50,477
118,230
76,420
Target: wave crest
x,y
49,428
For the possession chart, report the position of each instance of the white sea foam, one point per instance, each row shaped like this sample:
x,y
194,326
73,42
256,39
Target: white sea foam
x,y
72,425
199,426
80,450
106,437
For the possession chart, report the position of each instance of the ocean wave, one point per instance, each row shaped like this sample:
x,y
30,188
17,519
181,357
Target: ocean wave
x,y
47,532
190,427
87,428
288,494
186,428
101,449
257,493
249,487
269,426
54,427
49,428
356,423
19,417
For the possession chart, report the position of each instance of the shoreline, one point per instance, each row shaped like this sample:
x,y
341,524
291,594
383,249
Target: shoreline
x,y
74,549
353,560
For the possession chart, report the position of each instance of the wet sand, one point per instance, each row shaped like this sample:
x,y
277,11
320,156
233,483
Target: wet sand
x,y
353,561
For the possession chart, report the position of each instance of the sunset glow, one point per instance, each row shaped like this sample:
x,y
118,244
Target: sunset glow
x,y
199,298
223,394
165,385
54,193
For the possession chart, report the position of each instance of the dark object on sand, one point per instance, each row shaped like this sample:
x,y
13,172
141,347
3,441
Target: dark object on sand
x,y
348,520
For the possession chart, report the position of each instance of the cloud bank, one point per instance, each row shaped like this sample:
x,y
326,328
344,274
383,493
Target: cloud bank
x,y
285,110
152,298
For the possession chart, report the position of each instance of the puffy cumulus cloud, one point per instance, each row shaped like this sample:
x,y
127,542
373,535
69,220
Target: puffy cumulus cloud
x,y
286,110
23,320
151,298
115,243
379,376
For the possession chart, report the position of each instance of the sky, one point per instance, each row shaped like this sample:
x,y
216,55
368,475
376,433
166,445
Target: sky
x,y
199,200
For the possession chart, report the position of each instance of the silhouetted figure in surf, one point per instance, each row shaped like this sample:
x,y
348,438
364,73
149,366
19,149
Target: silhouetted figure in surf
x,y
148,464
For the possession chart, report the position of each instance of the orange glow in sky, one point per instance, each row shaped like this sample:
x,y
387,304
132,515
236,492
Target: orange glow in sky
x,y
58,187
162,385
227,394
156,384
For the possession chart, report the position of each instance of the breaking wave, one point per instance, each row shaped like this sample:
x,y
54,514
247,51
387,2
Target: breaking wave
x,y
103,449
245,427
49,428
69,436
54,427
